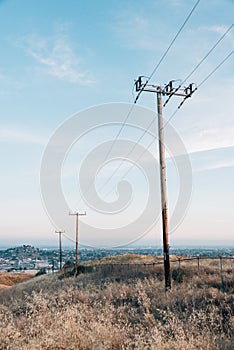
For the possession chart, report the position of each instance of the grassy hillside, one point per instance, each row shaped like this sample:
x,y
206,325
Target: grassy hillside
x,y
10,279
127,258
127,309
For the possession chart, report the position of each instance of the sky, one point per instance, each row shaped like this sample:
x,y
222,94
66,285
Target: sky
x,y
58,59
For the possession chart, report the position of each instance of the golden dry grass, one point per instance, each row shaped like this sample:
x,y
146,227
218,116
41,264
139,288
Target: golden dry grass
x,y
96,311
127,258
10,279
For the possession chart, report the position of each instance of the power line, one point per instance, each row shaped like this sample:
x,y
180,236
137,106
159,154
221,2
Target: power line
x,y
160,91
202,82
209,52
119,132
199,64
69,238
132,166
173,93
131,150
147,81
122,126
216,68
166,52
151,75
174,113
172,116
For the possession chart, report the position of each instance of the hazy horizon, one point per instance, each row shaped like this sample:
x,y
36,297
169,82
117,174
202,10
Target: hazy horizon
x,y
54,245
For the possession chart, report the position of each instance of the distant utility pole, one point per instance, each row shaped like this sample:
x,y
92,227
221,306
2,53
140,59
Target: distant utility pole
x,y
60,248
77,215
166,90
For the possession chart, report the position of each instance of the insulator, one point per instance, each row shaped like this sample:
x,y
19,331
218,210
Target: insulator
x,y
171,85
138,83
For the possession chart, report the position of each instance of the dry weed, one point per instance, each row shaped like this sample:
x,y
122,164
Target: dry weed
x,y
86,313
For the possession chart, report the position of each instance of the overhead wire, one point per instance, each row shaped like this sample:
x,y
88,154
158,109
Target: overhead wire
x,y
150,144
166,52
131,150
209,52
151,75
216,68
174,113
147,81
199,64
199,85
202,82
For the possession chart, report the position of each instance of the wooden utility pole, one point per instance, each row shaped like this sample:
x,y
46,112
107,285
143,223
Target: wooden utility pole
x,y
198,265
163,194
167,90
221,271
77,216
60,248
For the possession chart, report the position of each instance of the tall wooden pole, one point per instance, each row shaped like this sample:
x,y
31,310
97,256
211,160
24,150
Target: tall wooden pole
x,y
77,218
77,255
60,248
163,194
166,90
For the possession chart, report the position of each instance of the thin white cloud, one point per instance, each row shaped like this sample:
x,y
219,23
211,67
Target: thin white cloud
x,y
135,31
208,139
56,57
221,29
18,135
217,165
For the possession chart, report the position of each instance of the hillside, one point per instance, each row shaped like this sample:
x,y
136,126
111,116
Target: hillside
x,y
10,279
127,258
122,309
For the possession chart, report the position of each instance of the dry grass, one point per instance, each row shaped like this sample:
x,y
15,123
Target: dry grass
x,y
10,279
128,258
98,312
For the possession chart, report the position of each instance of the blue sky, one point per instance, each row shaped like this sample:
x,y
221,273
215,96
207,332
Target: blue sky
x,y
61,57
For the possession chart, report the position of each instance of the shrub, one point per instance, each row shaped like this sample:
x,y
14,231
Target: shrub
x,y
178,275
42,271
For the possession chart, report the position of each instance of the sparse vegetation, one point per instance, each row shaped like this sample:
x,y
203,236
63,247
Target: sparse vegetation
x,y
120,311
10,279
42,271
